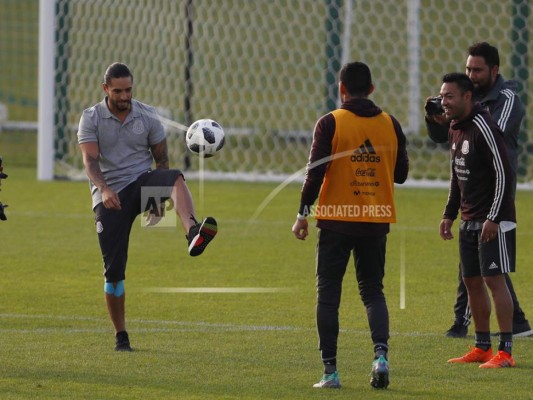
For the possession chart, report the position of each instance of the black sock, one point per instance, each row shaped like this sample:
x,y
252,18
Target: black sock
x,y
483,340
330,366
381,349
506,342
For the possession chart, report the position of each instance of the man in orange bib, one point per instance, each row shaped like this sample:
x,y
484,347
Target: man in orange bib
x,y
358,153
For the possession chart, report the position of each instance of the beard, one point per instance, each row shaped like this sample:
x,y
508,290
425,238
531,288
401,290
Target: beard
x,y
122,105
481,89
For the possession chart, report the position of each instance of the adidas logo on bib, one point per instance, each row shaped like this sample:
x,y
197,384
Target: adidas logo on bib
x,y
365,153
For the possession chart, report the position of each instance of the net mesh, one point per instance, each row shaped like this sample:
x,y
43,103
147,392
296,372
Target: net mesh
x,y
266,70
18,60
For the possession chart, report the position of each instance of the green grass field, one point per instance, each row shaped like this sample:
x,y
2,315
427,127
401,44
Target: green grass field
x,y
57,340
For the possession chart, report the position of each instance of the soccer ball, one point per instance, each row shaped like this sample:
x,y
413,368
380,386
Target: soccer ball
x,y
205,137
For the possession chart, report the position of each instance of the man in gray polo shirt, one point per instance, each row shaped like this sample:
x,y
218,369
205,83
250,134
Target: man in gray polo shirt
x,y
119,138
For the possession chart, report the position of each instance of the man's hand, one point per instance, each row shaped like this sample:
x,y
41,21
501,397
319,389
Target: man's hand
x,y
439,119
300,229
445,229
110,199
489,231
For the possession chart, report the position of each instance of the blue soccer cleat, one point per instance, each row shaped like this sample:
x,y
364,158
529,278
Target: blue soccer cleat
x,y
329,381
380,373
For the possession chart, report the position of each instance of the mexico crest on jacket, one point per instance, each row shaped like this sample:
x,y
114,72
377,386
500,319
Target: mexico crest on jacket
x,y
465,147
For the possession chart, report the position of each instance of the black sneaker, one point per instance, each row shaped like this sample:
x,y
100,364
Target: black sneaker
x,y
122,341
200,235
522,329
457,331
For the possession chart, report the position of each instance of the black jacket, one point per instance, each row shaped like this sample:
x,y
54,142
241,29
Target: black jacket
x,y
481,178
506,110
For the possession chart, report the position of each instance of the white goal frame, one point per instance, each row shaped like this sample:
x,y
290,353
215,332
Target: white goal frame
x,y
46,95
45,130
266,71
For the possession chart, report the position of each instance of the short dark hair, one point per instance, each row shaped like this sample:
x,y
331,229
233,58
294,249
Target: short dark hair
x,y
356,77
462,80
117,70
489,53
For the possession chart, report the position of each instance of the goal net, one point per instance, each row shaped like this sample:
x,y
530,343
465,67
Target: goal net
x,y
267,70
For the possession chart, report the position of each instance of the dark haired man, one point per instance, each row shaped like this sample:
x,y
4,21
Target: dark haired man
x,y
119,139
481,187
358,153
500,98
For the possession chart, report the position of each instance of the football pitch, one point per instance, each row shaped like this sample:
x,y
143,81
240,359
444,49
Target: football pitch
x,y
238,321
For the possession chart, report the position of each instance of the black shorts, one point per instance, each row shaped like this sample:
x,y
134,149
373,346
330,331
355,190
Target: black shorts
x,y
114,226
495,257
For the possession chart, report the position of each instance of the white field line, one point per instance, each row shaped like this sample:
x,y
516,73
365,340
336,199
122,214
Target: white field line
x,y
143,322
273,222
217,290
394,227
173,326
402,270
38,214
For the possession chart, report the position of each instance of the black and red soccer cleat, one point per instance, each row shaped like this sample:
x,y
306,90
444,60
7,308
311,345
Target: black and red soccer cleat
x,y
200,235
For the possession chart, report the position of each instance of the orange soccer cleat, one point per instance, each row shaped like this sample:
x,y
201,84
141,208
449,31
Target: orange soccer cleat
x,y
475,355
500,360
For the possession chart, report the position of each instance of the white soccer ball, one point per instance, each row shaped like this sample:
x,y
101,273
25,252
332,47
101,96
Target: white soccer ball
x,y
205,137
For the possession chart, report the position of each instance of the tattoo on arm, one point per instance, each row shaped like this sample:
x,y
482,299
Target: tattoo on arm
x,y
92,168
160,154
91,157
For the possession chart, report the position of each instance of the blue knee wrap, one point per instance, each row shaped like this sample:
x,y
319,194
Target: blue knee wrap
x,y
116,291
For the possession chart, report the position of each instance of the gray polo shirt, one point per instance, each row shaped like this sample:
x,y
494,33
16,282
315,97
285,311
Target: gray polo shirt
x,y
124,147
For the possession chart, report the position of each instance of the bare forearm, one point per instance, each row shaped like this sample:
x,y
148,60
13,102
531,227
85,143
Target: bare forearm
x,y
162,163
160,154
93,171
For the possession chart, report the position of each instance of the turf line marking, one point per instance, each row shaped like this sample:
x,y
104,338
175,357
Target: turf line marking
x,y
34,214
217,290
181,326
402,270
282,222
204,325
51,317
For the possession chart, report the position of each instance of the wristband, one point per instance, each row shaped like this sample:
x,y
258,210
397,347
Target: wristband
x,y
300,217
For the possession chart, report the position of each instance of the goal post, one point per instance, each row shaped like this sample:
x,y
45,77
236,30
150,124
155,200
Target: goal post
x,y
266,71
520,71
46,129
